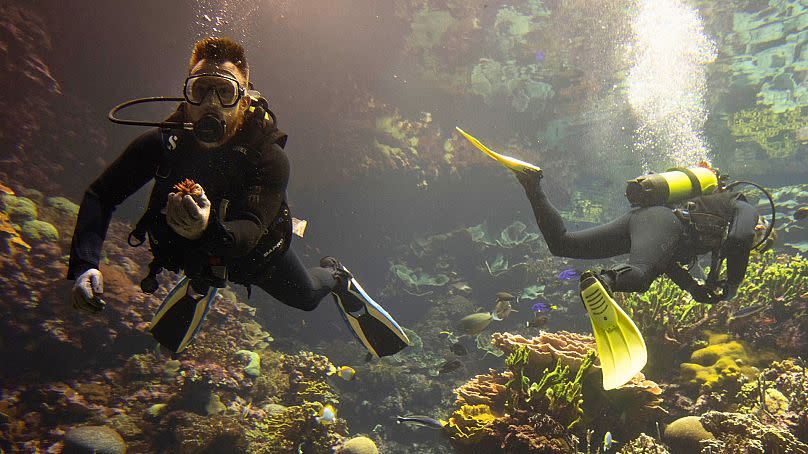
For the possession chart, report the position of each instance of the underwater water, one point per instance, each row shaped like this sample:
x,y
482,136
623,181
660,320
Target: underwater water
x,y
474,317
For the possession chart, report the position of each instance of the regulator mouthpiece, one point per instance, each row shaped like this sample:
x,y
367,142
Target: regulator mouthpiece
x,y
209,128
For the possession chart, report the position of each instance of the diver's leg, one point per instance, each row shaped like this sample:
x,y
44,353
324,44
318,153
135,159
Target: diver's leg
x,y
607,240
655,236
291,283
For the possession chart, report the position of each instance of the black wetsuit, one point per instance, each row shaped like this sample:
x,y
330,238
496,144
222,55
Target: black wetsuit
x,y
655,238
256,191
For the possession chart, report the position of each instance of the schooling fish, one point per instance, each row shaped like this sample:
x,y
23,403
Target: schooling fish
x,y
421,420
569,274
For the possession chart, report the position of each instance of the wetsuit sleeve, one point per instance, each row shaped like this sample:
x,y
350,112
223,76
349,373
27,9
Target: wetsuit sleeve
x,y
133,169
266,191
739,242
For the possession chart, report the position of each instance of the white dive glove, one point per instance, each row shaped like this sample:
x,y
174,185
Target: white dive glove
x,y
188,215
87,291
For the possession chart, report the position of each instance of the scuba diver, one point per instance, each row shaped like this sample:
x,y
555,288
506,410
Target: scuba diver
x,y
658,240
217,211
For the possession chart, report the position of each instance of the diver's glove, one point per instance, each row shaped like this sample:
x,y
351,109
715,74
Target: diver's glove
x,y
529,179
704,294
188,215
87,291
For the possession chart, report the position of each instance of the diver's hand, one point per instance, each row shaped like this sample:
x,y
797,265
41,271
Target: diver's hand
x,y
704,295
188,215
529,179
87,291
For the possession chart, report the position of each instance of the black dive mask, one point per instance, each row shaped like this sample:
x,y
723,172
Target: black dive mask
x,y
209,129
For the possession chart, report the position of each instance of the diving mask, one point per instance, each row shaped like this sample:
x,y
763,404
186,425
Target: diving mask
x,y
224,85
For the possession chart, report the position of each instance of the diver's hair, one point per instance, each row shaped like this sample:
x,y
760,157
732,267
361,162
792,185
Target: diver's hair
x,y
218,51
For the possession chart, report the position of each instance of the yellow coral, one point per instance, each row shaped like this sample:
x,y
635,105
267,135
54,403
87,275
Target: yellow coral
x,y
721,364
774,132
468,424
282,432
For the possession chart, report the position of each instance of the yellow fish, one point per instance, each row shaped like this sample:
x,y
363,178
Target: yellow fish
x,y
346,373
327,415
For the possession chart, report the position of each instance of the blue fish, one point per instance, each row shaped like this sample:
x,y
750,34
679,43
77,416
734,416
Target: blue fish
x,y
569,274
541,307
540,55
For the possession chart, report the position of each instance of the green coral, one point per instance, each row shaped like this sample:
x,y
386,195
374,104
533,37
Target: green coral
x,y
253,368
664,309
19,209
415,279
771,277
63,205
516,234
774,132
554,393
39,231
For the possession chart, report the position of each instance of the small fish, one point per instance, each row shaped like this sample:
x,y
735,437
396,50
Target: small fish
x,y
569,274
327,415
541,307
421,420
505,296
538,321
207,18
801,213
502,310
459,349
475,323
747,311
540,55
346,373
607,441
449,367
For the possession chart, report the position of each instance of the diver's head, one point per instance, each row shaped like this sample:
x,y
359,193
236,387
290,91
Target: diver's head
x,y
215,90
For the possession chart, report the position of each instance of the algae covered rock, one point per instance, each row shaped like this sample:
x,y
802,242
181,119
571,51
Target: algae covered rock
x,y
19,209
63,205
93,440
358,445
684,434
39,231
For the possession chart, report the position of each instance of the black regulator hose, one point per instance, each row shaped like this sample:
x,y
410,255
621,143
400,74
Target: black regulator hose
x,y
770,227
162,124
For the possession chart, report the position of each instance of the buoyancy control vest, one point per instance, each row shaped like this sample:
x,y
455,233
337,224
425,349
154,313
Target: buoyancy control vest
x,y
227,186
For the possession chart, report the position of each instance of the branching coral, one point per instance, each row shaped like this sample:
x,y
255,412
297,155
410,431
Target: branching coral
x,y
284,431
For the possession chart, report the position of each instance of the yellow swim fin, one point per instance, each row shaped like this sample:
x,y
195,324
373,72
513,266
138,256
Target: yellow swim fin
x,y
517,165
621,347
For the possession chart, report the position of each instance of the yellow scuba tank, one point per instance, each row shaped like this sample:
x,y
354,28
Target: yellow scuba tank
x,y
675,185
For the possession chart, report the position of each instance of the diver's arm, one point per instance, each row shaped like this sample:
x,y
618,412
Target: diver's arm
x,y
266,191
739,242
682,278
134,168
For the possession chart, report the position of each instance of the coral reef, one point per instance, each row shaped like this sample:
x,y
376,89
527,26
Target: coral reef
x,y
569,348
724,364
735,432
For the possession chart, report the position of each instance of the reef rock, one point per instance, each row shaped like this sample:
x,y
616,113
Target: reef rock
x,y
684,434
93,440
358,445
